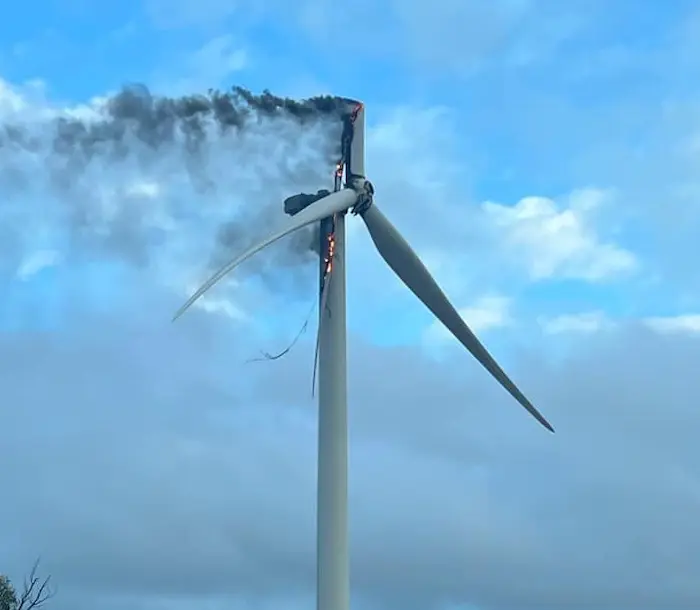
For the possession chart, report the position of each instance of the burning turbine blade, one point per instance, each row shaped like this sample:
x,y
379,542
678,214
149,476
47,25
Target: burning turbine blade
x,y
405,263
323,208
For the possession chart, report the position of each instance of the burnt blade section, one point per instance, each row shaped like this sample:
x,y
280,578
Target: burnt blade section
x,y
349,101
296,203
346,109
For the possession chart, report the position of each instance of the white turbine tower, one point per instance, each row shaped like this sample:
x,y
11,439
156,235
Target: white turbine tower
x,y
333,589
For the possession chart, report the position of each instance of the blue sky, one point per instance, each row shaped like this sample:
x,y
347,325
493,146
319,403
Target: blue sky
x,y
542,156
528,105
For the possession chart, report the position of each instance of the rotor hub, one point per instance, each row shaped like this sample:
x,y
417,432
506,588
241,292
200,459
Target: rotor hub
x,y
365,190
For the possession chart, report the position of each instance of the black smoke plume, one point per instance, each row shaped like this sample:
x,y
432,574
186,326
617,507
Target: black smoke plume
x,y
156,120
73,171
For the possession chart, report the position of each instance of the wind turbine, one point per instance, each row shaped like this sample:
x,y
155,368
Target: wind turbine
x,y
357,196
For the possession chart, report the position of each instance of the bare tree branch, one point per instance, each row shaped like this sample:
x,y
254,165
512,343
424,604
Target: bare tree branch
x,y
36,592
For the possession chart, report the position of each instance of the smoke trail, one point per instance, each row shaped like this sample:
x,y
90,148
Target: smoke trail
x,y
156,121
155,180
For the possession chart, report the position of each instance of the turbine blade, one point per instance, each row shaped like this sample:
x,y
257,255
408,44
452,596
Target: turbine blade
x,y
394,249
332,204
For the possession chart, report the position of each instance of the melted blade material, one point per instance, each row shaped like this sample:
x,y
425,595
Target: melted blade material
x,y
332,204
405,263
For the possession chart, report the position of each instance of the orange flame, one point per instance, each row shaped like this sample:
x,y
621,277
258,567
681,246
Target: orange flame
x,y
331,252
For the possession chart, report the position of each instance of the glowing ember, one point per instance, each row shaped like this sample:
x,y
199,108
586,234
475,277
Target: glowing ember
x,y
331,252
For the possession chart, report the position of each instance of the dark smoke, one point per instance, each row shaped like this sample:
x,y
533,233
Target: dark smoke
x,y
156,120
67,159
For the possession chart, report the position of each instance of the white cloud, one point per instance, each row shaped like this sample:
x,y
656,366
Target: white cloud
x,y
36,262
10,101
213,302
686,323
486,313
220,306
557,241
144,188
19,103
445,35
586,322
207,66
27,102
595,321
221,55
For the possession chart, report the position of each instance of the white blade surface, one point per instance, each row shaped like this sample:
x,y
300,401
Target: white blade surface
x,y
323,208
405,263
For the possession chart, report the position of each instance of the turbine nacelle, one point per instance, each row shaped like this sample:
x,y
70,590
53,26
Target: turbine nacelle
x,y
358,197
296,203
